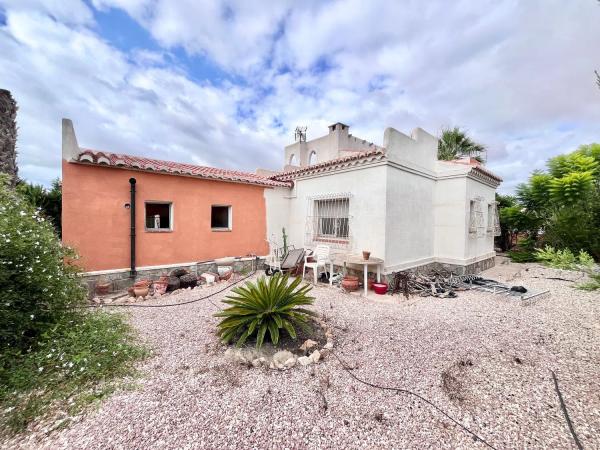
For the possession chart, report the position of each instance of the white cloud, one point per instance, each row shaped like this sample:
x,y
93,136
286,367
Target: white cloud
x,y
518,75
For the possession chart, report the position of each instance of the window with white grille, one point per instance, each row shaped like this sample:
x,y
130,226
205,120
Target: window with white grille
x,y
476,224
493,224
328,220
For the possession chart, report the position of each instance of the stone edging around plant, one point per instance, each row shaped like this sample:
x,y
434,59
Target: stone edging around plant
x,y
283,359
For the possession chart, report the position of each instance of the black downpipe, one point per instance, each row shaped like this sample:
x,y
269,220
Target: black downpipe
x,y
132,224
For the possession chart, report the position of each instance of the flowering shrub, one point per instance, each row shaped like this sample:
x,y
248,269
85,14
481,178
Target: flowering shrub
x,y
51,352
37,289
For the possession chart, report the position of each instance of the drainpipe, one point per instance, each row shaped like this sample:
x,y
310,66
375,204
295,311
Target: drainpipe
x,y
132,225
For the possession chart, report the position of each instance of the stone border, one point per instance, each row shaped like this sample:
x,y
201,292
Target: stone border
x,y
283,359
120,279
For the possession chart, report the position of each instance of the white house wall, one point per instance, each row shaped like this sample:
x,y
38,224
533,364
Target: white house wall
x,y
409,220
450,209
367,207
278,212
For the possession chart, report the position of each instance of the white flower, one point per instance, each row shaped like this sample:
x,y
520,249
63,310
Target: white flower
x,y
32,316
40,369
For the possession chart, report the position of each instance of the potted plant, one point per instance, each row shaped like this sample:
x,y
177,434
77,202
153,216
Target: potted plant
x,y
366,255
102,286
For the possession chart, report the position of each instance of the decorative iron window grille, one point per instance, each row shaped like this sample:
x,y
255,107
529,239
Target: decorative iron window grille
x,y
493,226
476,223
328,220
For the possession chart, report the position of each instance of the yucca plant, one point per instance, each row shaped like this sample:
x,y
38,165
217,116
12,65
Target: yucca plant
x,y
267,305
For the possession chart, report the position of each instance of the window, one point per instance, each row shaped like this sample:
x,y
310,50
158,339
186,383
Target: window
x,y
159,216
493,225
220,218
476,226
332,218
293,160
312,158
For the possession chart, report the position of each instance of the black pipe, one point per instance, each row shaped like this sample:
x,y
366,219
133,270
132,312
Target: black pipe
x,y
132,225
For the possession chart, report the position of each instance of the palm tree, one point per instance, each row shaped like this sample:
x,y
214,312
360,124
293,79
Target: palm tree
x,y
454,143
8,135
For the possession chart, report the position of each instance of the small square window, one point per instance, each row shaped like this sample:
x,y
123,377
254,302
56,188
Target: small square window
x,y
220,217
159,216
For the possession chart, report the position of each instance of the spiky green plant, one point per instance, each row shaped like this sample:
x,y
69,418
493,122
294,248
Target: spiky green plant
x,y
271,304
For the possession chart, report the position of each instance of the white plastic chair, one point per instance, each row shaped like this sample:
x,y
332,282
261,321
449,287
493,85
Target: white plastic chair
x,y
321,258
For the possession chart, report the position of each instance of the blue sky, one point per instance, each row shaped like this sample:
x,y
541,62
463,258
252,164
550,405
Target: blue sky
x,y
226,83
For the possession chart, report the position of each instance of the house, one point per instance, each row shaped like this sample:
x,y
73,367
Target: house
x,y
183,213
396,201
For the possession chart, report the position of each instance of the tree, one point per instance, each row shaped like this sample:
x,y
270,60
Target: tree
x,y
455,143
8,135
561,206
49,201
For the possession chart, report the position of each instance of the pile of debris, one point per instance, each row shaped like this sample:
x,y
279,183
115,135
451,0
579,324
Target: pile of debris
x,y
444,284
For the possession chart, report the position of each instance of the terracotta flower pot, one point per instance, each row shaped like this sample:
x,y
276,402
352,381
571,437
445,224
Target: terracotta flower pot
x,y
142,283
102,288
350,283
140,291
160,287
366,255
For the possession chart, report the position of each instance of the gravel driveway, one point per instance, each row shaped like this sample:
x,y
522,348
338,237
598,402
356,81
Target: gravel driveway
x,y
484,359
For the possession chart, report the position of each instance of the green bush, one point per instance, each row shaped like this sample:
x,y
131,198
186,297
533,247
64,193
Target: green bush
x,y
73,363
53,355
525,251
564,259
38,288
263,306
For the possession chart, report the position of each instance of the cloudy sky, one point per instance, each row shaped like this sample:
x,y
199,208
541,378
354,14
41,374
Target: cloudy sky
x,y
225,83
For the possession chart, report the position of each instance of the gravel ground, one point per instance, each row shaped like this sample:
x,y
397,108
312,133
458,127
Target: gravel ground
x,y
484,359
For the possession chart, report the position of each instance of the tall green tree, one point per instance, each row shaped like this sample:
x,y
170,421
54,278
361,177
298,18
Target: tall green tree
x,y
8,136
49,201
455,143
561,206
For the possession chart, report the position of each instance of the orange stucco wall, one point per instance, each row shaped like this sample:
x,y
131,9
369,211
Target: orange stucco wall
x,y
96,223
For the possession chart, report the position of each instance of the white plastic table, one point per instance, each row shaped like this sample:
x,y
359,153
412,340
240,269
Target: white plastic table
x,y
372,261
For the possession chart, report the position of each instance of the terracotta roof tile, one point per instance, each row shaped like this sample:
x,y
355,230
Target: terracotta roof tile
x,y
281,176
88,156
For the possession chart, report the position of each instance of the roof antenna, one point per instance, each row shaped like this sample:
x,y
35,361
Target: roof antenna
x,y
300,134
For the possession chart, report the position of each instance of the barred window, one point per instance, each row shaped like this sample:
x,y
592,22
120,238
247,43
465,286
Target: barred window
x,y
476,224
328,220
493,226
332,217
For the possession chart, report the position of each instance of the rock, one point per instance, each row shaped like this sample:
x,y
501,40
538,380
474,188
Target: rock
x,y
282,356
97,300
305,360
256,362
329,345
315,356
308,345
325,353
290,363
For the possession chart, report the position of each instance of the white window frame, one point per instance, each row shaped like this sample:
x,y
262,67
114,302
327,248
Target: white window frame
x,y
229,218
476,221
171,217
493,225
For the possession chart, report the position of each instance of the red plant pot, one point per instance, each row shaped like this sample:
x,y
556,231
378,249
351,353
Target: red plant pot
x,y
380,288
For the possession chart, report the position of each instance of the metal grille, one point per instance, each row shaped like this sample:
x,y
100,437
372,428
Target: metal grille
x,y
476,223
328,221
493,219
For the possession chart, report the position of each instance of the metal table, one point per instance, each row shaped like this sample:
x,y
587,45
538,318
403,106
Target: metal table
x,y
372,261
